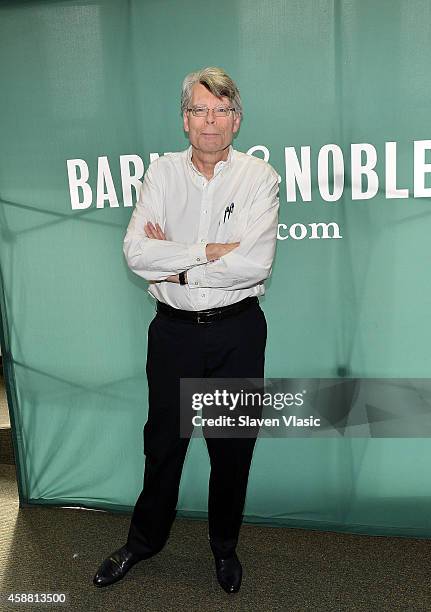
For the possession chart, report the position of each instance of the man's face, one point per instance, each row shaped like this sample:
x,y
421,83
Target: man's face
x,y
210,134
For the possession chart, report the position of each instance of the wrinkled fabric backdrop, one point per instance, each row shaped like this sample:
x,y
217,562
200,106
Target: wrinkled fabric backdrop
x,y
87,80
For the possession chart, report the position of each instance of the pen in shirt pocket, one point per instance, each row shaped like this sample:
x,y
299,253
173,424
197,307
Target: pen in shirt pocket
x,y
228,211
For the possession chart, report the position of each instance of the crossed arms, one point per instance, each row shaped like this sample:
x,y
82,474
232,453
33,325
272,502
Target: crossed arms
x,y
213,250
231,266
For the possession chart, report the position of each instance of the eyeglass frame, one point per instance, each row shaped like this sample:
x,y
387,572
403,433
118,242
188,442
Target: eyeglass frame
x,y
229,108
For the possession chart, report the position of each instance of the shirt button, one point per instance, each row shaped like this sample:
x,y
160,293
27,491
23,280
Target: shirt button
x,y
196,283
205,212
203,295
198,258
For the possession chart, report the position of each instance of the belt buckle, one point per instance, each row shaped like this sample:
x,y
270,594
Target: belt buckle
x,y
201,314
205,315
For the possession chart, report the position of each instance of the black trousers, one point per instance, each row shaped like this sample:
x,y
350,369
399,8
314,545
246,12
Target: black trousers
x,y
230,348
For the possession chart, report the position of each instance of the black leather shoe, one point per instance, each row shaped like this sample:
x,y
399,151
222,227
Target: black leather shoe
x,y
115,567
229,573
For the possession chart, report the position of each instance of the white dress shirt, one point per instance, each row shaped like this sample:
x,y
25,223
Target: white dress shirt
x,y
238,204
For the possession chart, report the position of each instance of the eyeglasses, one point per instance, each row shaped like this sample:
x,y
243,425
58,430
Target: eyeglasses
x,y
219,111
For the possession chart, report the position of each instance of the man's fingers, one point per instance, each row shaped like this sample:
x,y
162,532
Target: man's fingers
x,y
160,233
152,231
149,230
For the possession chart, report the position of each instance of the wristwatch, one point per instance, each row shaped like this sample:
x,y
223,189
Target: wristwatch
x,y
182,277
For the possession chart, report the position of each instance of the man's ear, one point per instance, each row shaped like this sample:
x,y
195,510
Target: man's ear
x,y
186,121
236,122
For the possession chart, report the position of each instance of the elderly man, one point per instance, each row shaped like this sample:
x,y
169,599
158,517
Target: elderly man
x,y
203,233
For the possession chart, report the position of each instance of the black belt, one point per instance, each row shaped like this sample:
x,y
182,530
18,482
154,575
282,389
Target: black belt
x,y
206,316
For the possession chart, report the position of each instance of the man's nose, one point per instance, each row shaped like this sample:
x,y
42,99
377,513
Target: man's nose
x,y
210,116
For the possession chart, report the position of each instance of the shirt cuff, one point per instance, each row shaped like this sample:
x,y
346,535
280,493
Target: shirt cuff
x,y
195,277
197,253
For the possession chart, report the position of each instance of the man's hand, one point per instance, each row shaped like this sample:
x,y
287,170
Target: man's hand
x,y
154,231
175,278
215,250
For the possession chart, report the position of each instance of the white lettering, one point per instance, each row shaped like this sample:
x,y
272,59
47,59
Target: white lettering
x,y
325,230
421,168
391,190
131,180
323,172
104,178
279,236
359,170
319,231
262,148
298,173
302,229
76,183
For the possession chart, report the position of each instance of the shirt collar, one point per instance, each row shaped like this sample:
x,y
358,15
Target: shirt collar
x,y
219,165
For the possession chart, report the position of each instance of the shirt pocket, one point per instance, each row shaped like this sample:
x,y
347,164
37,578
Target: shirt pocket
x,y
229,224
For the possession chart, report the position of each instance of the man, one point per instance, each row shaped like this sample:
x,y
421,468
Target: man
x,y
203,233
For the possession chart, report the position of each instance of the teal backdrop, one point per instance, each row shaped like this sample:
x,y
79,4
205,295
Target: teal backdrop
x,y
83,80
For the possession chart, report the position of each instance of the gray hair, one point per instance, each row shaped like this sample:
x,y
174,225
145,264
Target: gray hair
x,y
216,81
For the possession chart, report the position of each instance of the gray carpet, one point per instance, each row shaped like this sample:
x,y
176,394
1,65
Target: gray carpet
x,y
55,549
